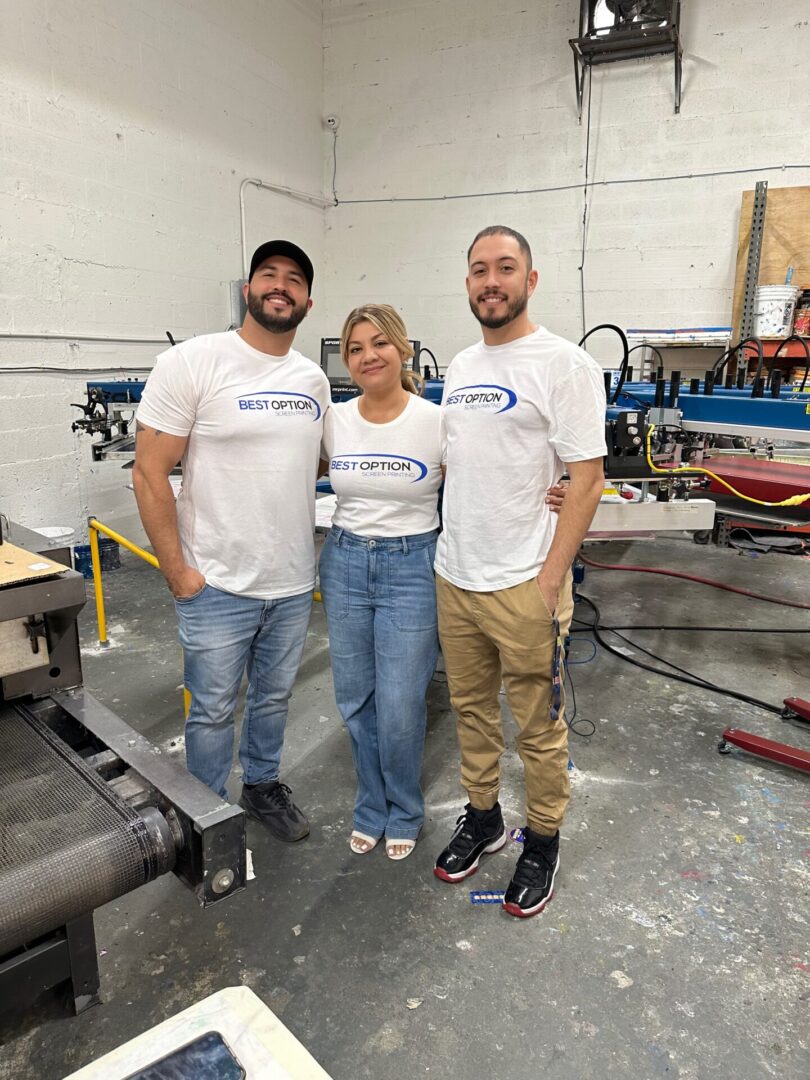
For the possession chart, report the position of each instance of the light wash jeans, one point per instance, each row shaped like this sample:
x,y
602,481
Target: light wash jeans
x,y
222,635
380,602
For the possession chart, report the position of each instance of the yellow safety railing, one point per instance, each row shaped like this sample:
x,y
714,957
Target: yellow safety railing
x,y
95,527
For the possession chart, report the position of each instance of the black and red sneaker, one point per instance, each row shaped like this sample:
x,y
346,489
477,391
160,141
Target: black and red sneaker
x,y
478,832
532,885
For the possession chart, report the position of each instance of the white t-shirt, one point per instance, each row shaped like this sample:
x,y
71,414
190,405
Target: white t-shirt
x,y
246,508
511,415
386,476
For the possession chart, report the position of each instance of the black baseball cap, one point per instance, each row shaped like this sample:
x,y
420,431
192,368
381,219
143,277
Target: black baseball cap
x,y
289,251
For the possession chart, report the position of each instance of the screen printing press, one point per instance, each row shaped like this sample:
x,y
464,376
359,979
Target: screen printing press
x,y
697,425
89,808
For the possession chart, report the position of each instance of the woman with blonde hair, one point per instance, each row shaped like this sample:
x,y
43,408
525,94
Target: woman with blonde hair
x,y
384,456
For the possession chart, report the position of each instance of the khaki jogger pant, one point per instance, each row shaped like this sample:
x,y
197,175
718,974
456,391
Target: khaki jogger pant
x,y
509,636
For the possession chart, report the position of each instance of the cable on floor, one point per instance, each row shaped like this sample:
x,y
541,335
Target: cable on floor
x,y
685,677
588,659
693,577
582,727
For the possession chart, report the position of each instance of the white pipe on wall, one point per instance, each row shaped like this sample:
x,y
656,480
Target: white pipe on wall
x,y
290,193
21,335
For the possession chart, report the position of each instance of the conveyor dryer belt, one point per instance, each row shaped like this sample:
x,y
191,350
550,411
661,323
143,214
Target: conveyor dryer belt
x,y
68,843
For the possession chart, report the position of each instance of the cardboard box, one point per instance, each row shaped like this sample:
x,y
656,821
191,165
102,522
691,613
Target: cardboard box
x,y
18,565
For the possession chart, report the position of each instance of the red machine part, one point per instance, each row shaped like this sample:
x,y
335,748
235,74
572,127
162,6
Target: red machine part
x,y
770,481
795,709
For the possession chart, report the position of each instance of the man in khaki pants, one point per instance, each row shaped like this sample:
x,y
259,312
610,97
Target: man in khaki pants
x,y
519,409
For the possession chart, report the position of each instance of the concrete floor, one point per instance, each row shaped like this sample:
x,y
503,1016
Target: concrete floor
x,y
677,943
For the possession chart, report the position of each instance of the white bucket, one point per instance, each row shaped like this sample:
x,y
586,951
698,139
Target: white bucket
x,y
773,314
57,535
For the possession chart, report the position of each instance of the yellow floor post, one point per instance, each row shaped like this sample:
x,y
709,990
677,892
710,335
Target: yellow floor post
x,y
95,559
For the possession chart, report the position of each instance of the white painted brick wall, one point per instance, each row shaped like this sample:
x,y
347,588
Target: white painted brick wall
x,y
469,95
125,131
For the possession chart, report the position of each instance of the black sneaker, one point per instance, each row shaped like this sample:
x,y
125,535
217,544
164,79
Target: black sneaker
x,y
271,804
477,832
532,885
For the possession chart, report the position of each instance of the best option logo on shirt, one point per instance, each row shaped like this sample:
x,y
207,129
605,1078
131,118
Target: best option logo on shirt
x,y
378,466
285,403
487,396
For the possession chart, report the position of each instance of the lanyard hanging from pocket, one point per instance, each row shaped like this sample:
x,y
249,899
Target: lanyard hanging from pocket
x,y
557,673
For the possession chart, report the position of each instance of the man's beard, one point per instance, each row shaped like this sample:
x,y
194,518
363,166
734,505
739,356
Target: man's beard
x,y
275,323
514,308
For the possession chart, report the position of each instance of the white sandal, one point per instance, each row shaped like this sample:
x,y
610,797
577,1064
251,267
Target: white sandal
x,y
390,844
362,844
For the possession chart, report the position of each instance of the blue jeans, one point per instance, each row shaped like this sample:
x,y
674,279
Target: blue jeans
x,y
380,601
221,635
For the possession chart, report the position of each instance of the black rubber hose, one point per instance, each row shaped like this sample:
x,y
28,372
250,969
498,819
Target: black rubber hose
x,y
781,345
723,359
684,676
625,357
760,354
652,348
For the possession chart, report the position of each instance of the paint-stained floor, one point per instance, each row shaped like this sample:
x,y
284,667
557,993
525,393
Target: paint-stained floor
x,y
677,944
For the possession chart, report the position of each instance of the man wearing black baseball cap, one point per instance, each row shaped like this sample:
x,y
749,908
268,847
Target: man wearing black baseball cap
x,y
286,249
244,412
